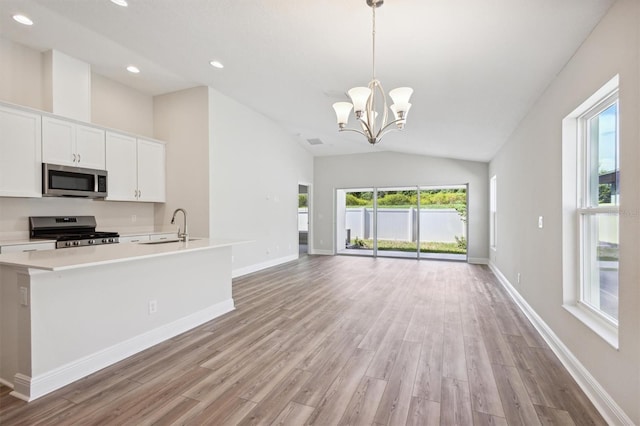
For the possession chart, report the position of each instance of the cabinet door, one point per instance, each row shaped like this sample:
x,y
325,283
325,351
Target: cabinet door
x,y
90,147
27,247
151,171
121,162
133,238
20,154
58,142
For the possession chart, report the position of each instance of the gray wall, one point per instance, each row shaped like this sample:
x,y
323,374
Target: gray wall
x,y
254,166
380,169
529,177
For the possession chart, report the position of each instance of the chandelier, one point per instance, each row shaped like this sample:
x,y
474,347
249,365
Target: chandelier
x,y
365,101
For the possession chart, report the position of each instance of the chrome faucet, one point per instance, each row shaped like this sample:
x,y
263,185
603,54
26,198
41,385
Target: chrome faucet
x,y
184,236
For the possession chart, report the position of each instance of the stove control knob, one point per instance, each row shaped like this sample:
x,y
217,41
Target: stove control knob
x,y
92,242
67,244
76,243
104,240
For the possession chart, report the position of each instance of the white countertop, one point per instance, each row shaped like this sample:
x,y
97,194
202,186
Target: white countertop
x,y
82,257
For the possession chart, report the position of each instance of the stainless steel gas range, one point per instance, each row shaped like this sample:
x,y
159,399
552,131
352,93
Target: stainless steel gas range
x,y
70,231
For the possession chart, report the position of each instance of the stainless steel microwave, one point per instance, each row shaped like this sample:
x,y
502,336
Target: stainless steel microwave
x,y
67,181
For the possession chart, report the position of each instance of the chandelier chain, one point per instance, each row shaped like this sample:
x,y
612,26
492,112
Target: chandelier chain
x,y
373,62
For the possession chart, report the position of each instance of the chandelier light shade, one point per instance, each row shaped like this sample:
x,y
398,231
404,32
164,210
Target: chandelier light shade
x,y
365,101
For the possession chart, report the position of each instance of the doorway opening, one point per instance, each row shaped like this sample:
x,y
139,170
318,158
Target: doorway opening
x,y
418,222
303,220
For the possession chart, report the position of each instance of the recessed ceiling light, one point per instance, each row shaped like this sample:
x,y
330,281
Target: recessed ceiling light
x,y
133,69
122,3
216,64
24,20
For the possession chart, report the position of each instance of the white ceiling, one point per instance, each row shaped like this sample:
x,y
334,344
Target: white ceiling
x,y
476,66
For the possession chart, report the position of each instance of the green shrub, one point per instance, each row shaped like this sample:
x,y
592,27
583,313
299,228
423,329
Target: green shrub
x,y
461,242
302,200
394,200
352,200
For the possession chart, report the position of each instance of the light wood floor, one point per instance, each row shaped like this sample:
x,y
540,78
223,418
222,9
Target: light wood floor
x,y
337,340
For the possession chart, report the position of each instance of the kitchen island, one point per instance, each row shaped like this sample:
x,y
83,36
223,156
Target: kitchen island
x,y
70,312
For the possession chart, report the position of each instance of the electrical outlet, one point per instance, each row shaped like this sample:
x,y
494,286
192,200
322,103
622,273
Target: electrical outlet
x,y
24,296
134,218
518,278
153,306
540,222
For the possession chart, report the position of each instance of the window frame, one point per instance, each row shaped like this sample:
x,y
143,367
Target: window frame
x,y
585,210
493,212
576,208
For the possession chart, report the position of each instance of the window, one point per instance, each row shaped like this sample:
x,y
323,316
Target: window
x,y
493,211
598,207
591,200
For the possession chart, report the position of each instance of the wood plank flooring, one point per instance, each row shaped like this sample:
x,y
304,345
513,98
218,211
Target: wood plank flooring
x,y
337,341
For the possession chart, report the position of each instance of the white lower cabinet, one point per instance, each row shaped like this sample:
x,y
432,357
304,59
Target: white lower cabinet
x,y
136,169
148,237
162,237
134,238
15,248
20,153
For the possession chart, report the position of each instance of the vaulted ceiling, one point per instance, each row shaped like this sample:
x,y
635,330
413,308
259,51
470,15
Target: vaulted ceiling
x,y
476,66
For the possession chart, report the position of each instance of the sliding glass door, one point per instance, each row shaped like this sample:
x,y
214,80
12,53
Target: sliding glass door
x,y
355,221
396,222
443,222
409,222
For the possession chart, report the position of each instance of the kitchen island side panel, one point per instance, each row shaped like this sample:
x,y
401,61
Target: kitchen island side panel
x,y
83,319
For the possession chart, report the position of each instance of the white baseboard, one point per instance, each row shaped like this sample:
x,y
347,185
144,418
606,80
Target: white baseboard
x,y
478,260
263,265
322,252
608,408
30,388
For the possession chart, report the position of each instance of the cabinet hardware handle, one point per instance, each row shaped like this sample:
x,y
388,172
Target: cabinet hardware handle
x,y
139,194
74,158
78,158
26,250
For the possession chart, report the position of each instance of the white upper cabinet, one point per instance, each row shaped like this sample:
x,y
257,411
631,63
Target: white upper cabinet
x,y
20,153
122,178
151,171
136,169
90,147
71,144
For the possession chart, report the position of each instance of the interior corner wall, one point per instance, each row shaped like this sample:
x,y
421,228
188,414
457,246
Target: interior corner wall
x,y
182,120
388,169
255,170
529,177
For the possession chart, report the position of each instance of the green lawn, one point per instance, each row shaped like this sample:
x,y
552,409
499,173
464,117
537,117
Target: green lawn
x,y
425,247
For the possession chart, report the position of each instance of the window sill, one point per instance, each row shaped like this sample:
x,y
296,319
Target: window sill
x,y
599,326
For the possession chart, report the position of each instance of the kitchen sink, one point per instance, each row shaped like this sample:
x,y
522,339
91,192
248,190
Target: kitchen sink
x,y
167,241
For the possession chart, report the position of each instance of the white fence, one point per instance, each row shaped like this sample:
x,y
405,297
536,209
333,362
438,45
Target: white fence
x,y
436,225
303,219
